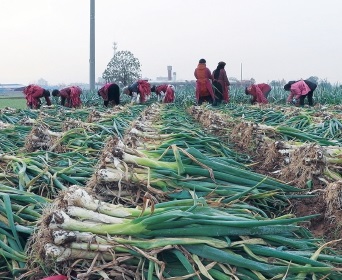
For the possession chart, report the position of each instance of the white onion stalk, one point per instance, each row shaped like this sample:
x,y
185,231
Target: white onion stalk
x,y
148,162
93,247
5,125
145,126
109,175
60,220
28,121
86,241
116,175
52,133
92,216
153,135
77,196
62,237
61,254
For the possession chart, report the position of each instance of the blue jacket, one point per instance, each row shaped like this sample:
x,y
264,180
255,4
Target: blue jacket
x,y
133,88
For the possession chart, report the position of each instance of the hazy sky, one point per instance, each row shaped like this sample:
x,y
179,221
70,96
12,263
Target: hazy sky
x,y
273,39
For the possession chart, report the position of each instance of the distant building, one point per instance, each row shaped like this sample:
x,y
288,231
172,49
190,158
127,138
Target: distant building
x,y
160,79
10,88
241,83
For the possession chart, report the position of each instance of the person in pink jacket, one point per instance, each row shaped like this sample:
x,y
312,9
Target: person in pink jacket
x,y
165,93
70,96
33,94
221,84
259,93
204,89
299,90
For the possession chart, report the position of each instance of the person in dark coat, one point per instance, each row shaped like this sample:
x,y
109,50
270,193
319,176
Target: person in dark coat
x,y
110,94
300,90
221,84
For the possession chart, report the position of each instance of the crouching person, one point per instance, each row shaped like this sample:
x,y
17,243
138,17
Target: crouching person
x,y
165,93
299,90
33,94
139,91
70,96
110,94
259,93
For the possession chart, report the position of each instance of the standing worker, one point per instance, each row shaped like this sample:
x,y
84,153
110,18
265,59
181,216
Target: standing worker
x,y
165,93
299,90
204,89
259,93
70,96
221,84
139,91
33,94
110,93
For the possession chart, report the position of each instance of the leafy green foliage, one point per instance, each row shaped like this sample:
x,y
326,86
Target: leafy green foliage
x,y
123,68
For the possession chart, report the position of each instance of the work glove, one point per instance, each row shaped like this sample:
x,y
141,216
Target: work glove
x,y
134,97
162,96
294,101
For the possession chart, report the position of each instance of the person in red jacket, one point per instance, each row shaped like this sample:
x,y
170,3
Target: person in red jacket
x,y
259,93
221,84
204,89
70,96
33,94
110,93
165,93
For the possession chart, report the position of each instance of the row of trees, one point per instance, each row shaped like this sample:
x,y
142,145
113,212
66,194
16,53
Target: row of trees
x,y
324,83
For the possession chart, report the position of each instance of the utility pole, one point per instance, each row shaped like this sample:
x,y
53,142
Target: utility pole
x,y
115,48
92,46
241,73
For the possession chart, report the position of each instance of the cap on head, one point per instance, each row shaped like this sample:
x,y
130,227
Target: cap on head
x,y
287,87
202,60
222,63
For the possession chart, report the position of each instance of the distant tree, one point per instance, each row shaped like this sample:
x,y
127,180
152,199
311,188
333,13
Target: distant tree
x,y
233,79
123,68
42,82
325,85
278,83
274,83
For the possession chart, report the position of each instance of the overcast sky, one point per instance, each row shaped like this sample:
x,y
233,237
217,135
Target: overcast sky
x,y
272,39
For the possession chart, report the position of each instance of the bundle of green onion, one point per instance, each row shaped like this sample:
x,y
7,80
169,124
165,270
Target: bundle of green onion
x,y
84,236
